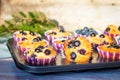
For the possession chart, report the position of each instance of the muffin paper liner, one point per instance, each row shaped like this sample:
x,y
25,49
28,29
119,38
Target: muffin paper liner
x,y
39,62
59,47
108,55
117,39
111,35
50,38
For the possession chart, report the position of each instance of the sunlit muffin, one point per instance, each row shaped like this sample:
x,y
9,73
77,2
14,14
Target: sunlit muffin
x,y
99,39
112,31
77,50
40,56
109,51
26,44
19,35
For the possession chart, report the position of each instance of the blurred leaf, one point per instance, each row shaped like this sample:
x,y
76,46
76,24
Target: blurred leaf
x,y
22,14
32,21
31,15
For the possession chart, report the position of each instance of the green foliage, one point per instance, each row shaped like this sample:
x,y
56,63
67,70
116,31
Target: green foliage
x,y
31,21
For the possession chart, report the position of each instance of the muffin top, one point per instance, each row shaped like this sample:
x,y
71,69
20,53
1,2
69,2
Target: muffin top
x,y
113,29
26,34
41,52
58,33
77,49
99,39
113,48
33,43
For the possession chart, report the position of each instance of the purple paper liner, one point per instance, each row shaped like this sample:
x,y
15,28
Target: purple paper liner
x,y
16,39
39,62
108,56
110,35
118,42
117,39
58,46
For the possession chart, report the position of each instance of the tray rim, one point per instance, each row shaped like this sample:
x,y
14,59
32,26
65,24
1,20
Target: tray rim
x,y
59,68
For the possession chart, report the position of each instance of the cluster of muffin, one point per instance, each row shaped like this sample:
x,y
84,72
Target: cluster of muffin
x,y
34,49
107,44
73,48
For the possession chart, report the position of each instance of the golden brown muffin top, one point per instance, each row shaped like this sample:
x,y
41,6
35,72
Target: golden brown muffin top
x,y
99,39
42,52
113,29
77,49
113,48
58,33
27,34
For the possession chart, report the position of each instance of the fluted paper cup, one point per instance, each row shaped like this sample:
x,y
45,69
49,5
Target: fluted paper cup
x,y
39,62
108,55
117,39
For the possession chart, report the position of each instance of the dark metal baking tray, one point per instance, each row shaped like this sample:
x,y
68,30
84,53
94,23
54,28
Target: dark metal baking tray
x,y
60,65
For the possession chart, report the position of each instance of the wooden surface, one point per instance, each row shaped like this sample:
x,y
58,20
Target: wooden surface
x,y
9,71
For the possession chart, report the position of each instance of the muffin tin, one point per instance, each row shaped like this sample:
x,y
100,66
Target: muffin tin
x,y
60,64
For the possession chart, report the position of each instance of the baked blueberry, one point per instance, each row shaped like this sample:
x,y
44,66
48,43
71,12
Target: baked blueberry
x,y
73,55
54,33
33,55
47,52
37,39
107,29
63,41
119,28
76,43
70,44
114,45
23,33
38,50
32,33
102,35
82,51
62,30
92,34
23,39
40,47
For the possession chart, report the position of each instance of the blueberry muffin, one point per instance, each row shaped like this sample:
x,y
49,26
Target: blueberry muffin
x,y
40,56
117,39
110,52
77,50
21,35
26,44
57,34
100,39
112,31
